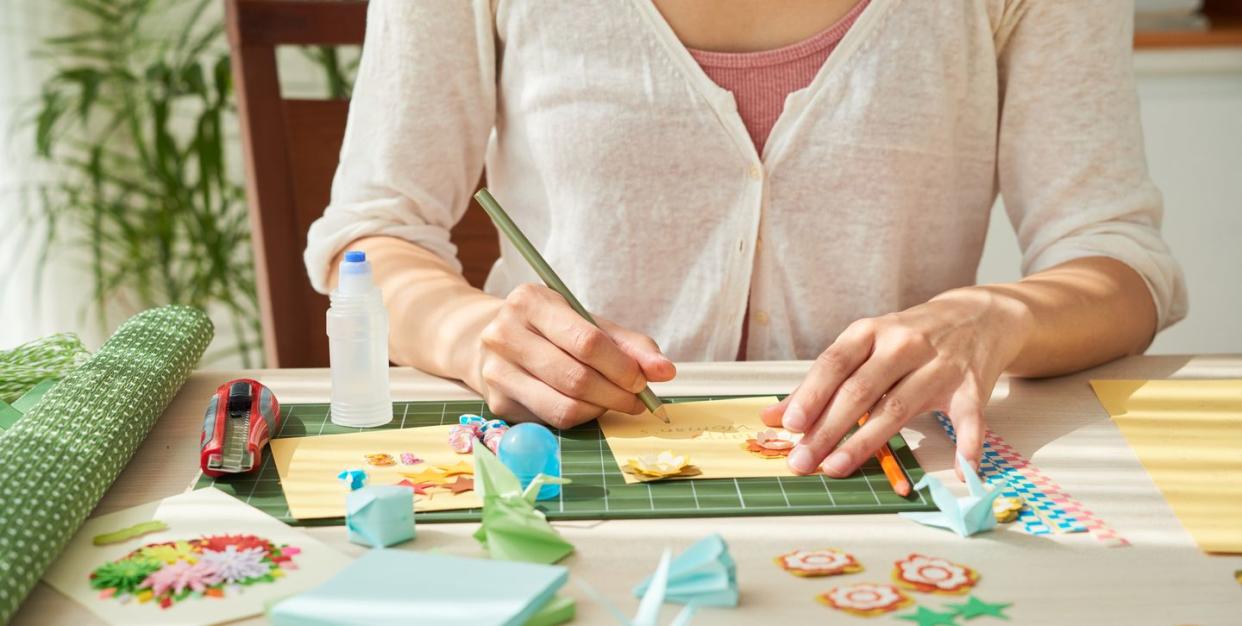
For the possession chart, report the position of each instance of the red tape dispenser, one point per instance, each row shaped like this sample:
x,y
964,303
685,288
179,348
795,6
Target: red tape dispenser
x,y
240,420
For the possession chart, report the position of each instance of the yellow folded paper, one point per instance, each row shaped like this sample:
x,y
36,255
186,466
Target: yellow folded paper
x,y
1188,434
658,466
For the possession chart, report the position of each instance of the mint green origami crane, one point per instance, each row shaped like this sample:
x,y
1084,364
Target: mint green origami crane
x,y
964,516
652,598
513,529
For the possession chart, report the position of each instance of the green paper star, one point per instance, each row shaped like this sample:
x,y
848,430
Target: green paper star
x,y
927,617
974,607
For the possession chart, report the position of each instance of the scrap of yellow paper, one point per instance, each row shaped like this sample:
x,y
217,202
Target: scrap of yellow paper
x,y
1188,434
711,433
308,467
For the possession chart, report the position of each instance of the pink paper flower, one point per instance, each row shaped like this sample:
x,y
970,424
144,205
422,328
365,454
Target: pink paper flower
x,y
181,575
233,565
776,440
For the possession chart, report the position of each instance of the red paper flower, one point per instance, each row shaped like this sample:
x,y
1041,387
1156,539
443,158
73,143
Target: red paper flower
x,y
826,562
865,599
934,575
219,543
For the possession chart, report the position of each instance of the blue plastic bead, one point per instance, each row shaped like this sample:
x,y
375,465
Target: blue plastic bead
x,y
529,450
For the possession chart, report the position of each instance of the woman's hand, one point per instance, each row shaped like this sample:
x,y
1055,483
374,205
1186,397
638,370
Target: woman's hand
x,y
541,361
943,355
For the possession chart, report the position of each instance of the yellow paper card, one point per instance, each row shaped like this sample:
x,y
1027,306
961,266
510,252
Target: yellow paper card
x,y
711,433
1188,434
308,467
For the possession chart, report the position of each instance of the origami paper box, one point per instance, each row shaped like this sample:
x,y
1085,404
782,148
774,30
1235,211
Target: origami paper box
x,y
380,515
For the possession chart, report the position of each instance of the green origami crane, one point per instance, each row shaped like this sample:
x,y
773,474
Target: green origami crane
x,y
513,529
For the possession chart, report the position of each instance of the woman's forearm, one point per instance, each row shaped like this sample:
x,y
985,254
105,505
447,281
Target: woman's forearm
x,y
1073,316
435,316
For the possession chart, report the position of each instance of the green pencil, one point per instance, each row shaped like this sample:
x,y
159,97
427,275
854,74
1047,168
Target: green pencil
x,y
541,267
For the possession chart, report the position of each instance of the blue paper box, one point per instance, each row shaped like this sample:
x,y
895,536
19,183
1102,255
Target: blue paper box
x,y
380,515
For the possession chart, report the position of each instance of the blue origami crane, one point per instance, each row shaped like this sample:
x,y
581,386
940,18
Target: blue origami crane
x,y
964,516
652,599
704,575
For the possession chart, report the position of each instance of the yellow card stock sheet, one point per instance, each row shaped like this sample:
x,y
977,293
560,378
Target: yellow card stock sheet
x,y
711,433
1188,434
308,468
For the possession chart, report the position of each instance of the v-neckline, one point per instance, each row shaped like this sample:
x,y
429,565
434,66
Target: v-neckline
x,y
722,100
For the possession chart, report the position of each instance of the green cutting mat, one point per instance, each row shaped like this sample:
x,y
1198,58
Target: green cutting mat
x,y
598,490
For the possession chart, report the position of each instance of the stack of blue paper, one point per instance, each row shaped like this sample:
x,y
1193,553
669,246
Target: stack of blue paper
x,y
404,587
703,575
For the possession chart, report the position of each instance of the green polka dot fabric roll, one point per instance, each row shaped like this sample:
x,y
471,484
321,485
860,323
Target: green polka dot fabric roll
x,y
58,460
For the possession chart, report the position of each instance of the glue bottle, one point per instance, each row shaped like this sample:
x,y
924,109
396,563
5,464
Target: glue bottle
x,y
358,347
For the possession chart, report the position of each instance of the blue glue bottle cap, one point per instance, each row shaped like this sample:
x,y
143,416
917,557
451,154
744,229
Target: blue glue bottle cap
x,y
529,450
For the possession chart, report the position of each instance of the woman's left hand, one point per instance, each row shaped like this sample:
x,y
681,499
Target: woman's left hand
x,y
943,355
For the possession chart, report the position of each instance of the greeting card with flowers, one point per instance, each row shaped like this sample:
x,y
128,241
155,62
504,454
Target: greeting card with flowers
x,y
210,559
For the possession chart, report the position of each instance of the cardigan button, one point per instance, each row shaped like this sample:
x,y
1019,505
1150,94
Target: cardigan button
x,y
755,172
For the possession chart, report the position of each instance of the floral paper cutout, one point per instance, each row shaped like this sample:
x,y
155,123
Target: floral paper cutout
x,y
1006,508
934,575
866,599
771,444
381,459
170,572
826,562
662,465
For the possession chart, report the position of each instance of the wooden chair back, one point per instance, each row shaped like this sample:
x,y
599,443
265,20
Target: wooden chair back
x,y
291,149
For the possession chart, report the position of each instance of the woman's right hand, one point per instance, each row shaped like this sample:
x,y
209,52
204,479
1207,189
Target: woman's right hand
x,y
541,361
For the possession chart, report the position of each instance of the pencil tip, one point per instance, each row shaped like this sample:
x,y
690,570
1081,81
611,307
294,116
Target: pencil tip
x,y
662,414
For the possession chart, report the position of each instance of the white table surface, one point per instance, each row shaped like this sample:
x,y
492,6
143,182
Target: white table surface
x,y
1063,579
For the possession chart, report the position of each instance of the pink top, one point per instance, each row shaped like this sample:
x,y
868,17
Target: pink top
x,y
760,81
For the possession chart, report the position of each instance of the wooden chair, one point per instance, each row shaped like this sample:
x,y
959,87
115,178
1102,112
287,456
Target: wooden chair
x,y
291,151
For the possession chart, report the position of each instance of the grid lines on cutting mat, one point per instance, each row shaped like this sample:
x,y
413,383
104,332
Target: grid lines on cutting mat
x,y
598,490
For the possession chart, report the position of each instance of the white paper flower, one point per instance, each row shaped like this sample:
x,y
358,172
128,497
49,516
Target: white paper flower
x,y
825,562
866,598
662,463
233,566
776,440
925,573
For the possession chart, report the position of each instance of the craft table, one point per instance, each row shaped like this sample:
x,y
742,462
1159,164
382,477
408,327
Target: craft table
x,y
1063,579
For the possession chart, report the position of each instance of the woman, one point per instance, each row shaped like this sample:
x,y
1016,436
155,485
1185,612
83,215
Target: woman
x,y
737,180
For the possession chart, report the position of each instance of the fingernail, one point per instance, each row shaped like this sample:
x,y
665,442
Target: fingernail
x,y
837,464
794,418
802,460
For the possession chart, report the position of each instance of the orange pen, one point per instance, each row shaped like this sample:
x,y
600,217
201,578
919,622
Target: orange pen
x,y
892,469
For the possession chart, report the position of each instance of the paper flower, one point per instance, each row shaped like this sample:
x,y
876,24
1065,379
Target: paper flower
x,y
771,444
1006,509
826,562
776,440
123,576
933,575
380,459
169,552
662,465
866,599
409,458
180,576
462,437
233,565
218,543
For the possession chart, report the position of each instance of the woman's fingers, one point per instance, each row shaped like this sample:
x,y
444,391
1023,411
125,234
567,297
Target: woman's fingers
x,y
905,400
771,415
643,349
831,368
547,313
515,394
966,413
548,363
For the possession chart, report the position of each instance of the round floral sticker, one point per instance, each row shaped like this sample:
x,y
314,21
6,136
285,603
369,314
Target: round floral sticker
x,y
866,599
934,575
826,562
